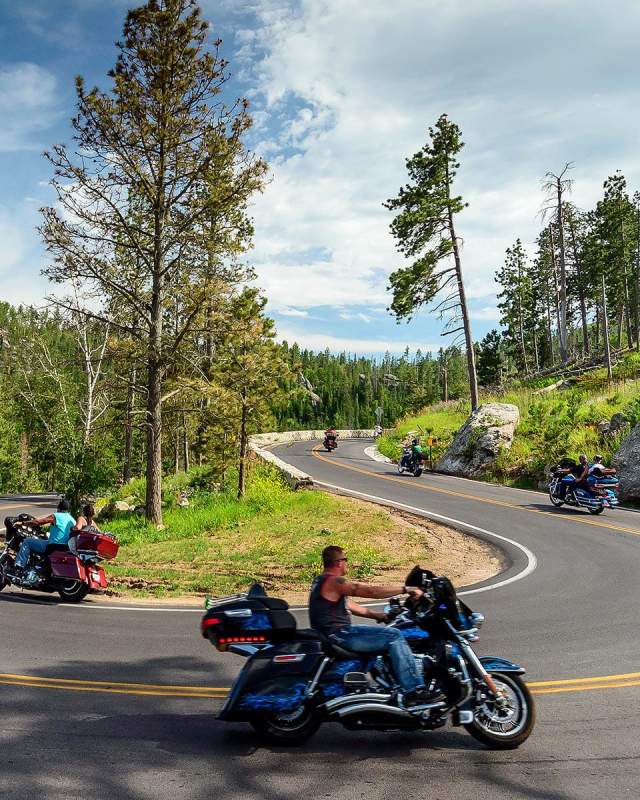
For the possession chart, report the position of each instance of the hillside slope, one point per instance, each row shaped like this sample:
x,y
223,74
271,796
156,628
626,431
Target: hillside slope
x,y
560,422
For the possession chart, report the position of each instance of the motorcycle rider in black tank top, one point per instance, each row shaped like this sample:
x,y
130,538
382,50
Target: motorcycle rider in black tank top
x,y
330,607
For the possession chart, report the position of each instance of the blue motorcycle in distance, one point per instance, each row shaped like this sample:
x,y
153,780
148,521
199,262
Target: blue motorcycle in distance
x,y
595,494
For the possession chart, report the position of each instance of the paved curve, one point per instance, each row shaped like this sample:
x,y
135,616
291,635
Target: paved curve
x,y
574,616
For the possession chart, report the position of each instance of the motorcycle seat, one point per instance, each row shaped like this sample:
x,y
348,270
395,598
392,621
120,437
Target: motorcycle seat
x,y
55,548
329,646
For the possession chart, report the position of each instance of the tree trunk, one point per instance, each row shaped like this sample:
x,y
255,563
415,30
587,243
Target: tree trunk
x,y
549,327
185,443
154,443
581,297
535,349
605,329
445,382
562,333
471,356
243,451
128,428
176,450
556,297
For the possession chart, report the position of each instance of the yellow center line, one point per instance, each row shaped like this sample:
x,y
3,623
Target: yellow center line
x,y
560,689
10,675
622,681
627,676
103,690
486,500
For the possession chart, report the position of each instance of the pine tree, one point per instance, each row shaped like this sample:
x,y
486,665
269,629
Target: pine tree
x,y
424,229
163,145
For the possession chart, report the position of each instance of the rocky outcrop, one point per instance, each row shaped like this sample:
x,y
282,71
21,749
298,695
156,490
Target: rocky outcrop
x,y
616,426
488,430
627,462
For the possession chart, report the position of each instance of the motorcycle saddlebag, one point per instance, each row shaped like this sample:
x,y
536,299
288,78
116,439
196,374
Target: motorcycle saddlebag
x,y
274,679
245,619
65,565
97,543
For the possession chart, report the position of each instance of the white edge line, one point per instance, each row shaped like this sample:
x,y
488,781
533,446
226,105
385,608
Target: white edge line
x,y
532,561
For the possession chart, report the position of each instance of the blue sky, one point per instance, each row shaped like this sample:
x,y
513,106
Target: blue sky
x,y
342,91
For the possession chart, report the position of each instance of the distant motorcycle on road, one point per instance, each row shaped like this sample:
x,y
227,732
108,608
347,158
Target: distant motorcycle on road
x,y
330,441
72,570
595,494
409,462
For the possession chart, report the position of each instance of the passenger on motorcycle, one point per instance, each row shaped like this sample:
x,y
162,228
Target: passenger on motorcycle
x,y
330,607
86,520
61,523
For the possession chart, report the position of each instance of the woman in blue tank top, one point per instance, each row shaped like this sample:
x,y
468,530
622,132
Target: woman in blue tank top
x,y
61,523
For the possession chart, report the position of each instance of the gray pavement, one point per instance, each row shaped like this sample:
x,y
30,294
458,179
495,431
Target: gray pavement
x,y
574,616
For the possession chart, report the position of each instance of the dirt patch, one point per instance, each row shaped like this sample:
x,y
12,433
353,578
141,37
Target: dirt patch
x,y
400,539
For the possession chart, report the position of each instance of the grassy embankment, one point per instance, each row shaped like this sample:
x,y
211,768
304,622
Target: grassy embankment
x,y
562,422
219,545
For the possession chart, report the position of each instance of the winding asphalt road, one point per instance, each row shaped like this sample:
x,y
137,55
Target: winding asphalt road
x,y
108,701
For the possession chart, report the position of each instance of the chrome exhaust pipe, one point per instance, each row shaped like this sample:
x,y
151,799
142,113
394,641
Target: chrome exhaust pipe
x,y
365,697
379,708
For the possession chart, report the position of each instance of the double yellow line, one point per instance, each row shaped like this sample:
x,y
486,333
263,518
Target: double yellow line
x,y
600,682
586,684
113,687
486,500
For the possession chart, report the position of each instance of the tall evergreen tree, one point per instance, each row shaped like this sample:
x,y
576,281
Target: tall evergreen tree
x,y
162,140
424,229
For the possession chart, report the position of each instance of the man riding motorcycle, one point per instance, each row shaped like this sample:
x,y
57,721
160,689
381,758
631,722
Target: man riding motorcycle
x,y
330,606
61,523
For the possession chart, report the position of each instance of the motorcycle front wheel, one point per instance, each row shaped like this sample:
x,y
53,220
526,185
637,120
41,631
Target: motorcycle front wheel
x,y
289,729
73,591
400,469
555,500
504,725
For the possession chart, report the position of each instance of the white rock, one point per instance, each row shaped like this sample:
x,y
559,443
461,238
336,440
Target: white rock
x,y
488,430
627,462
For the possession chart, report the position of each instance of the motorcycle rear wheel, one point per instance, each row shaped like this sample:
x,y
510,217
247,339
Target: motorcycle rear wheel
x,y
288,730
417,472
5,562
494,726
595,509
73,591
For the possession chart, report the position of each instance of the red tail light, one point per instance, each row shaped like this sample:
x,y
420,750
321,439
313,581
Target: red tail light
x,y
210,622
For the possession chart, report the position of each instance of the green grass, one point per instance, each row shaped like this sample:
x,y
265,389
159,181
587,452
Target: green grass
x,y
219,545
560,423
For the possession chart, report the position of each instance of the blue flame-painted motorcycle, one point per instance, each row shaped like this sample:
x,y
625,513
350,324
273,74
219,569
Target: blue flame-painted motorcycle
x,y
294,680
595,494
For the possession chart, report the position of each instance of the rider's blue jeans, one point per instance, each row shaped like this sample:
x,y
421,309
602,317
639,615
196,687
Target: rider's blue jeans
x,y
30,545
372,640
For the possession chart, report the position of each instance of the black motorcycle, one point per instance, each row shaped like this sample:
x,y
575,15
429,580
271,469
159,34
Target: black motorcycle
x,y
294,680
330,442
410,462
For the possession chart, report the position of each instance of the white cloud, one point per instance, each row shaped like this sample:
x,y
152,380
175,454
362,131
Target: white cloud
x,y
357,84
488,314
359,316
19,250
293,312
27,105
338,344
